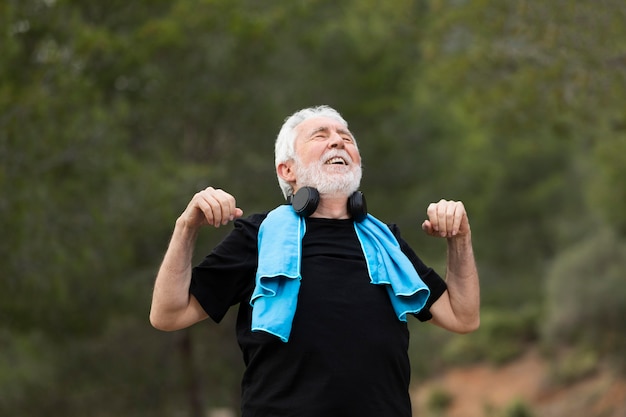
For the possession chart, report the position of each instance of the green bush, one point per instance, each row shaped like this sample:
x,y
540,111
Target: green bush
x,y
518,408
502,336
586,297
574,365
439,400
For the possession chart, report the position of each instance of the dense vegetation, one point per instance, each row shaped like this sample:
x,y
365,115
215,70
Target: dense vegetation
x,y
112,114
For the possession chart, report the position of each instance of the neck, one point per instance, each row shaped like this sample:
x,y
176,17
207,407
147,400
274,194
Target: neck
x,y
332,207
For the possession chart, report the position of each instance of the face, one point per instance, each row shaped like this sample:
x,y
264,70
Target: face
x,y
327,157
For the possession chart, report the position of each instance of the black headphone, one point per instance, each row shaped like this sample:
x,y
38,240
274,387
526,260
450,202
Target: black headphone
x,y
306,199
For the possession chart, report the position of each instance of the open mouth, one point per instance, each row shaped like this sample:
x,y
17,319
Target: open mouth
x,y
336,161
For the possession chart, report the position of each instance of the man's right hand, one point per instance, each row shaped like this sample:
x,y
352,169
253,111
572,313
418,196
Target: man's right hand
x,y
173,307
211,206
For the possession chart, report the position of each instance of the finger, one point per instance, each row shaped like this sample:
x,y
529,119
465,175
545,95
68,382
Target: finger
x,y
230,211
227,210
218,213
209,203
459,215
431,212
442,216
226,205
210,207
450,208
198,212
427,227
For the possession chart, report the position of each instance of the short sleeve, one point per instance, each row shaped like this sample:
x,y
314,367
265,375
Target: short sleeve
x,y
225,277
433,281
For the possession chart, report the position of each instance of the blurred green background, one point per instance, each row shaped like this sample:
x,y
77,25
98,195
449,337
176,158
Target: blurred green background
x,y
113,114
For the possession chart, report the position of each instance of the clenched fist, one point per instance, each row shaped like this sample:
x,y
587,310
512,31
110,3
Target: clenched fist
x,y
446,218
211,206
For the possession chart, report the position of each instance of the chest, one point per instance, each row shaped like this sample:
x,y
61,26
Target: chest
x,y
336,291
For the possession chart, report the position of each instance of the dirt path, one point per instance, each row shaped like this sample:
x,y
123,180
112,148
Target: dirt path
x,y
485,391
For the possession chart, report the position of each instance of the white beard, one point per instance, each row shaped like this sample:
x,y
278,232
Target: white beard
x,y
328,179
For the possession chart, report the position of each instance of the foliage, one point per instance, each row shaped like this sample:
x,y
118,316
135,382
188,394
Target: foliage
x,y
439,400
525,84
573,364
112,114
518,409
585,297
503,335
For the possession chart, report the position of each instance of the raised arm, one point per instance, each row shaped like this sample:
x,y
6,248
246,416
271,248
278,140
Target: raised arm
x,y
173,307
458,309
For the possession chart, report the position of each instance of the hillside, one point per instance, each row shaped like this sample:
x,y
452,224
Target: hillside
x,y
486,391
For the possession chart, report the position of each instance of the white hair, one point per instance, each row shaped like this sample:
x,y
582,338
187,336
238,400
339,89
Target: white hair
x,y
284,149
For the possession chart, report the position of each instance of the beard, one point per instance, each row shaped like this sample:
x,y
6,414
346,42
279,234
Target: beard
x,y
330,179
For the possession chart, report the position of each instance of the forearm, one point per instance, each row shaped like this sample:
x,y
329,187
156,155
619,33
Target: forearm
x,y
462,281
170,296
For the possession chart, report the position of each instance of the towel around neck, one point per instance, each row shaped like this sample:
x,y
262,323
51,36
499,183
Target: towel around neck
x,y
277,283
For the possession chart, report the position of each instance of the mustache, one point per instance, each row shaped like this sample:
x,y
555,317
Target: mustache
x,y
334,153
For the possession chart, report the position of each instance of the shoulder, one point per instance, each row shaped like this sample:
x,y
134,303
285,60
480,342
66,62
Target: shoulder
x,y
244,232
251,222
395,230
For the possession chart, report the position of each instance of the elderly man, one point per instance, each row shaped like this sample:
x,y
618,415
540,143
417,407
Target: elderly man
x,y
324,288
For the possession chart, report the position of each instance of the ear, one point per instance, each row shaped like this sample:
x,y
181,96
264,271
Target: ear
x,y
285,170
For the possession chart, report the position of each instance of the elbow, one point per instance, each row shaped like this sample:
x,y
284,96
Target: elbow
x,y
457,326
469,327
159,323
156,323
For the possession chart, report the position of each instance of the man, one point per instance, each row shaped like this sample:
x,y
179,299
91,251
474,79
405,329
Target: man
x,y
324,332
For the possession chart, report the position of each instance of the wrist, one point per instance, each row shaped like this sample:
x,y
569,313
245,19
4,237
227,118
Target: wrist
x,y
183,229
460,244
461,239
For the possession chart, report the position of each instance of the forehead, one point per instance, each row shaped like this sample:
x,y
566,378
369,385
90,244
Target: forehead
x,y
315,124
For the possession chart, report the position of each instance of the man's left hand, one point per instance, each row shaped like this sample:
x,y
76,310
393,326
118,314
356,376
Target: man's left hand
x,y
446,218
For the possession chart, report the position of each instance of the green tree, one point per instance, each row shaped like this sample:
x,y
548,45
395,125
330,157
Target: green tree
x,y
112,114
533,84
585,297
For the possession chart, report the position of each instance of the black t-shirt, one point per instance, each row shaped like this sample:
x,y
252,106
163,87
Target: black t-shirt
x,y
347,354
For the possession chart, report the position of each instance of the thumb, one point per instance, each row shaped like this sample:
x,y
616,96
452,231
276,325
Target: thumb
x,y
427,227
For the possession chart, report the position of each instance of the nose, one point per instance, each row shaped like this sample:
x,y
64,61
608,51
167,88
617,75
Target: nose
x,y
335,141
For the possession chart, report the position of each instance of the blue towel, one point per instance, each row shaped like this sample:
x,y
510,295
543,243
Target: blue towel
x,y
275,297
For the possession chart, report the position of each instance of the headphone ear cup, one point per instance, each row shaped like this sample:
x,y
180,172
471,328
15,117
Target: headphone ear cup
x,y
357,207
305,201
